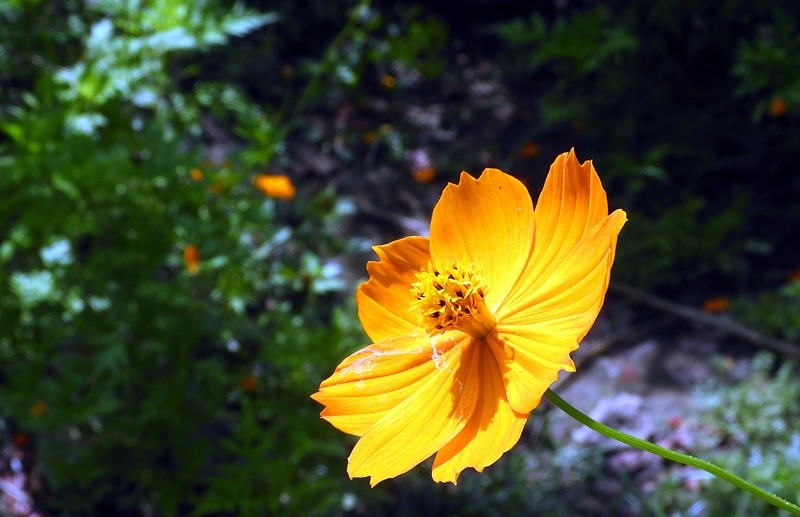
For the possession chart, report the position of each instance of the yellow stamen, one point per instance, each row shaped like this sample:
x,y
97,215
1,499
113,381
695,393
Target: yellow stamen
x,y
451,296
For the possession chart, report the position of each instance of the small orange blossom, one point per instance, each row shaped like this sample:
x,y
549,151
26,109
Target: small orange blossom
x,y
39,409
196,174
472,325
275,185
20,439
529,150
369,137
248,383
191,257
388,81
794,276
716,305
778,106
424,174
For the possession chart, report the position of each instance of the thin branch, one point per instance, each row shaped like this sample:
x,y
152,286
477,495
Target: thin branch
x,y
729,327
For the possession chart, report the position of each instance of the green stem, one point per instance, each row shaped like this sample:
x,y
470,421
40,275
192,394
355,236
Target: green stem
x,y
685,459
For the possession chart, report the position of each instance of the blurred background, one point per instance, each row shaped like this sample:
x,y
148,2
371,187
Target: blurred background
x,y
189,190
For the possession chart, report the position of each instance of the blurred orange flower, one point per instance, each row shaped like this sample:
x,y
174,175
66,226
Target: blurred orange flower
x,y
20,439
369,137
529,150
388,81
217,188
191,257
424,174
39,409
794,276
472,325
275,185
196,174
778,106
248,383
715,305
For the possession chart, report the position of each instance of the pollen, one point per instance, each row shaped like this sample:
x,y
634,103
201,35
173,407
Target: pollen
x,y
451,297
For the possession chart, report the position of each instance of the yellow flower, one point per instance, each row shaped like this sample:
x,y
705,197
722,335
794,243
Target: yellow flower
x,y
196,174
472,325
191,257
275,185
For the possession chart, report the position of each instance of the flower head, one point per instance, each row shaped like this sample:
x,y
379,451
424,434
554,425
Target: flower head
x,y
530,150
39,409
275,185
388,81
196,174
424,174
472,325
716,305
778,106
191,257
248,383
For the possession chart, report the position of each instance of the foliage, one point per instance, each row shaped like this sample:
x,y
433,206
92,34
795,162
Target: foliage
x,y
695,104
775,312
146,387
767,64
756,422
685,243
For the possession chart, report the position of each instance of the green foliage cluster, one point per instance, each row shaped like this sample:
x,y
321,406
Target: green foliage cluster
x,y
144,388
775,312
673,102
756,423
147,389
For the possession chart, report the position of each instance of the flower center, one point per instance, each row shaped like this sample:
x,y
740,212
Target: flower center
x,y
451,296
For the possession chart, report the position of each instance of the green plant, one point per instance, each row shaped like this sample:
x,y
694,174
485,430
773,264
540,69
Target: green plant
x,y
775,312
148,386
694,104
755,424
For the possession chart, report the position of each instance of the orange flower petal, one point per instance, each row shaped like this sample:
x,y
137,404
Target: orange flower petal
x,y
572,202
493,429
716,305
384,302
574,286
487,221
424,174
377,378
558,313
191,257
275,185
526,374
423,423
778,106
